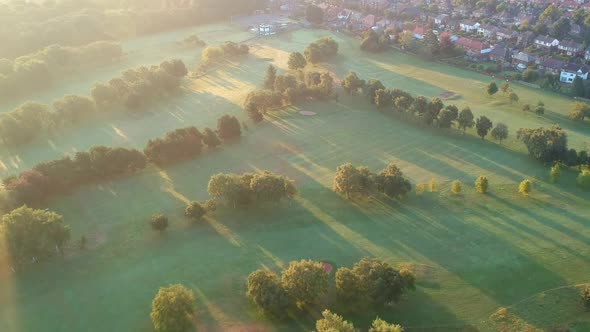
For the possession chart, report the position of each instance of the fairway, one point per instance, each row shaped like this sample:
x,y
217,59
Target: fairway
x,y
472,254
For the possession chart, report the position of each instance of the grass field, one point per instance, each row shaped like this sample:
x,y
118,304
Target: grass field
x,y
473,254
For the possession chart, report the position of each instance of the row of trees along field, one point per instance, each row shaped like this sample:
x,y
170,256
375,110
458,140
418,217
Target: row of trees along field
x,y
544,144
226,51
135,89
370,283
35,25
103,163
43,68
296,85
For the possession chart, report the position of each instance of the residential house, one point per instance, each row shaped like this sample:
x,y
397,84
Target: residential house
x,y
506,34
552,66
545,42
487,30
468,26
475,50
522,60
499,54
441,19
420,32
571,48
570,71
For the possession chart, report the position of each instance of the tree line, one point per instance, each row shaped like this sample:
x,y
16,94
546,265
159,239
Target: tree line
x,y
130,92
41,69
352,181
102,163
228,50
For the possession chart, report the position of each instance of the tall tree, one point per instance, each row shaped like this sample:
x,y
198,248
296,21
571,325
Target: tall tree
x,y
465,119
332,322
483,126
173,309
500,132
305,281
296,61
270,77
265,290
491,88
314,14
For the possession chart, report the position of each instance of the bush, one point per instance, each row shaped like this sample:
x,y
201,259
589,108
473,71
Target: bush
x,y
482,184
583,179
456,187
195,210
555,172
228,127
585,295
525,187
433,186
420,188
265,290
305,281
173,309
159,222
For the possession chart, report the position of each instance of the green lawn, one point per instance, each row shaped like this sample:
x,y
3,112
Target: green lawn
x,y
473,254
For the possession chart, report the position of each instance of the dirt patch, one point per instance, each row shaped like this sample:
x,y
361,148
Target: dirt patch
x,y
447,95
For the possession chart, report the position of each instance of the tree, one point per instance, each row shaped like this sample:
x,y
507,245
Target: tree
x,y
379,325
351,180
228,127
314,14
383,98
195,210
446,118
583,179
371,87
159,222
491,88
513,97
305,281
71,109
540,109
296,61
456,187
432,186
500,132
465,119
265,290
312,53
392,183
210,138
525,187
578,88
431,42
561,28
579,111
333,323
526,107
505,88
555,172
352,83
270,77
483,126
32,235
545,144
482,184
173,309
180,144
585,296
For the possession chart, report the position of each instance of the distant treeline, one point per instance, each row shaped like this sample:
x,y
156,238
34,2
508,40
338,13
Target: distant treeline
x,y
33,26
43,68
104,163
133,90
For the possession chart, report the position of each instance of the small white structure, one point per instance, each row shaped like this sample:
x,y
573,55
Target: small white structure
x,y
569,73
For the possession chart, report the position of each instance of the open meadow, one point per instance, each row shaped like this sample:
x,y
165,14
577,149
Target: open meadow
x,y
472,254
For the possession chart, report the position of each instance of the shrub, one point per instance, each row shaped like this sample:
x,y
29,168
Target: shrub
x,y
195,210
585,295
481,184
379,325
583,179
456,187
433,186
159,222
420,188
555,172
525,187
173,309
332,322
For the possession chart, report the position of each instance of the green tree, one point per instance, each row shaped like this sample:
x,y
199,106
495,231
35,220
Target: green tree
x,y
270,77
379,325
456,187
500,132
491,88
383,98
583,179
545,144
32,235
228,127
526,108
555,172
482,184
579,111
352,83
513,97
446,118
350,180
332,322
505,88
314,14
431,42
585,296
296,61
265,290
305,281
483,126
392,183
525,187
465,119
210,138
173,309
561,28
371,87
159,222
578,88
195,210
312,53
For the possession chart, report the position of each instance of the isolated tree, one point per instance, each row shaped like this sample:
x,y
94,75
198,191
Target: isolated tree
x,y
526,108
555,172
579,111
379,325
583,179
585,296
314,14
352,83
465,119
195,210
525,187
228,127
270,77
159,222
483,126
505,88
456,187
332,322
305,281
296,61
500,132
265,290
482,184
540,109
513,97
173,309
491,88
432,185
351,180
392,183
210,138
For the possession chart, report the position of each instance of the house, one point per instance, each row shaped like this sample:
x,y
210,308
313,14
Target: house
x,y
522,60
545,42
486,30
506,34
499,54
345,14
475,49
445,34
571,48
369,21
468,26
420,32
441,19
570,71
552,66
525,39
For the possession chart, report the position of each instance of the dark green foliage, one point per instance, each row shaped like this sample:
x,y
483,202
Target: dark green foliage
x,y
483,126
296,61
392,183
265,290
583,179
371,87
530,75
500,132
305,281
373,42
228,50
173,309
159,222
228,127
321,50
383,98
465,119
578,88
210,138
545,144
177,145
270,77
195,210
492,88
259,102
446,117
247,188
32,235
350,180
314,14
